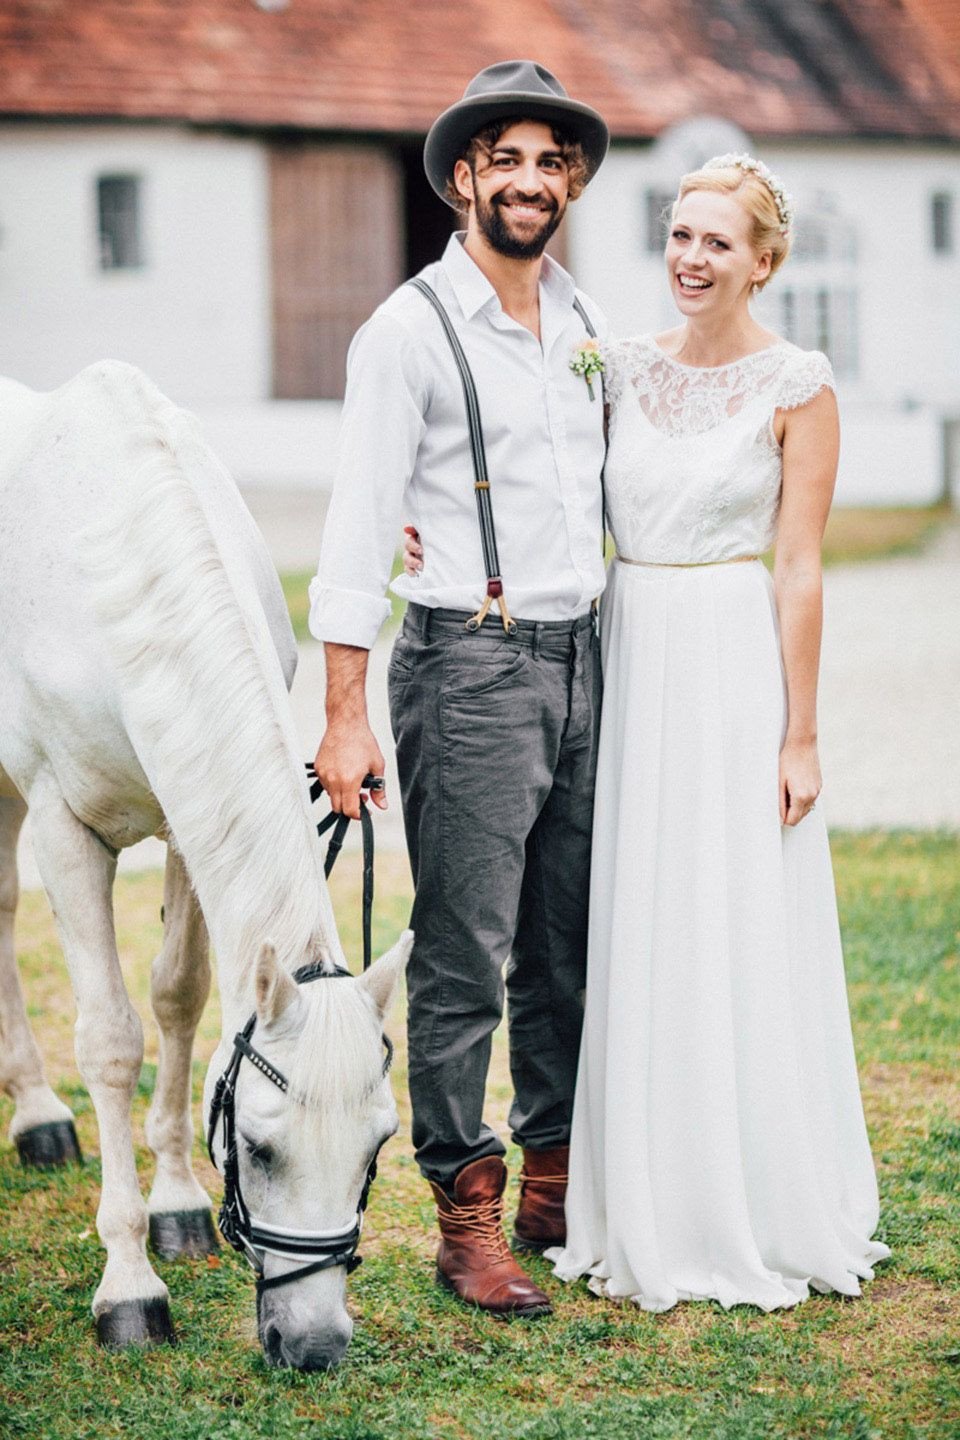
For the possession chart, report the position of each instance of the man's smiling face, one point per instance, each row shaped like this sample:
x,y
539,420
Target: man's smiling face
x,y
519,188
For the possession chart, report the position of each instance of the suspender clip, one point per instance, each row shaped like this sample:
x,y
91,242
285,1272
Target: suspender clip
x,y
494,592
475,621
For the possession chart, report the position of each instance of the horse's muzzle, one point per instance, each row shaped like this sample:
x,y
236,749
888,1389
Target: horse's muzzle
x,y
314,1349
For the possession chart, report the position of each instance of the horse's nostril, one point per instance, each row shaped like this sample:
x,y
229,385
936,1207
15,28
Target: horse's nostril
x,y
272,1342
315,1352
316,1360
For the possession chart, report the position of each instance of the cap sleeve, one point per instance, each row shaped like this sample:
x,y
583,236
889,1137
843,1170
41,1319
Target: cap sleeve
x,y
613,352
809,373
624,360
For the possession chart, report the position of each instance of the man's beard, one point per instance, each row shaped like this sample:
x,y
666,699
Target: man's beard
x,y
493,224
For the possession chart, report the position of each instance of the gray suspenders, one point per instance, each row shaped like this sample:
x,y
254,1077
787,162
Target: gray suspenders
x,y
488,536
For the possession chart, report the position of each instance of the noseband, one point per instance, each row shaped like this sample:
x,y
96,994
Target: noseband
x,y
320,1249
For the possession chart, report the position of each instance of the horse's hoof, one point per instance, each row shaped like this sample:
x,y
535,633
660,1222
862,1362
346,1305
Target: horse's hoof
x,y
45,1146
183,1232
136,1322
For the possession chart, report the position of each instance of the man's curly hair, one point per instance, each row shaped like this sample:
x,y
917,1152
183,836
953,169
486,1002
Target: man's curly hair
x,y
486,140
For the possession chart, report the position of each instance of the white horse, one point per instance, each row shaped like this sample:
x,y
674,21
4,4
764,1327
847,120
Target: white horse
x,y
145,655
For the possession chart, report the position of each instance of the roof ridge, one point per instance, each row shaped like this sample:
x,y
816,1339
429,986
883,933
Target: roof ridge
x,y
777,67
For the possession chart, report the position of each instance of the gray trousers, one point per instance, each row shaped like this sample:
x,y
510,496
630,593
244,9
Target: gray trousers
x,y
496,749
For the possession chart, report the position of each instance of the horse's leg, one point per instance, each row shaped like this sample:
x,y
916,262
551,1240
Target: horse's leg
x,y
179,1207
42,1126
131,1303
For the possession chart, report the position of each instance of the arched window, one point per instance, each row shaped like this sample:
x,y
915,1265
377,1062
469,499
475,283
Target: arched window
x,y
676,151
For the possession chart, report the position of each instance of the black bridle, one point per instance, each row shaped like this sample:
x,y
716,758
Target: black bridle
x,y
320,1249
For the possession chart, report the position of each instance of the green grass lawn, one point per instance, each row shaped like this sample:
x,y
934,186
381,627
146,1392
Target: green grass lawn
x,y
881,532
884,1367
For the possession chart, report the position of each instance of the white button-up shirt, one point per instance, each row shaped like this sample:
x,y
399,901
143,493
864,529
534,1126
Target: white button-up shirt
x,y
404,457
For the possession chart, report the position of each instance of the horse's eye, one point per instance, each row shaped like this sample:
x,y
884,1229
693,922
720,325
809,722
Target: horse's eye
x,y
263,1154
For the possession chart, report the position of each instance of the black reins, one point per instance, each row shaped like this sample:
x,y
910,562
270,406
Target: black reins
x,y
340,824
321,1249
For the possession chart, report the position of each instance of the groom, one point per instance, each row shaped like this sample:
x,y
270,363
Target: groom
x,y
494,680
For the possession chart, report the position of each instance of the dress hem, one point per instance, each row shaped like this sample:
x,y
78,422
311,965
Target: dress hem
x,y
598,1282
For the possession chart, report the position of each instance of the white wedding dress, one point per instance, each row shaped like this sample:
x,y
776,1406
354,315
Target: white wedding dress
x,y
719,1149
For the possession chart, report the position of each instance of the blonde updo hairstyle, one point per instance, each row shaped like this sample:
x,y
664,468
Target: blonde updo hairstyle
x,y
757,199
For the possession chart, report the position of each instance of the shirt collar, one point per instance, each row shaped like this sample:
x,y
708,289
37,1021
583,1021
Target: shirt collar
x,y
473,290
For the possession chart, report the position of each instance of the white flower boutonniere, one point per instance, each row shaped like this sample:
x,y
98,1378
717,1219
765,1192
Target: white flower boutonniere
x,y
587,361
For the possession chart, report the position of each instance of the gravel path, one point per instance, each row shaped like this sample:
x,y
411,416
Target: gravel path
x,y
890,690
890,687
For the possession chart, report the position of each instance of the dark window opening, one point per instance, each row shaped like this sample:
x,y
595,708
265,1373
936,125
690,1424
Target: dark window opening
x,y
118,212
941,218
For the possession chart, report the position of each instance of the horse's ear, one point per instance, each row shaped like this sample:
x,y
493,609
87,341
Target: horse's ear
x,y
381,979
274,988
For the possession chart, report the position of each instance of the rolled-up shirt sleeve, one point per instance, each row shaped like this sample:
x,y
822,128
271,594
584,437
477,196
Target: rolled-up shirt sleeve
x,y
380,431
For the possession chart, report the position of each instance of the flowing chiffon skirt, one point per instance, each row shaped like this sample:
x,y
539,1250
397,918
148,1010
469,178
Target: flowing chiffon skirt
x,y
719,1149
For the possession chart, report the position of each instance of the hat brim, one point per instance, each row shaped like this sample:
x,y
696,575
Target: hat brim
x,y
451,131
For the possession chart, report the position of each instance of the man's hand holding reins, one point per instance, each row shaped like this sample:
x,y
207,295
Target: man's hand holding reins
x,y
349,749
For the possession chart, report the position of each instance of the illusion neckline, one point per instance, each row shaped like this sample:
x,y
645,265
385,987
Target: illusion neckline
x,y
712,369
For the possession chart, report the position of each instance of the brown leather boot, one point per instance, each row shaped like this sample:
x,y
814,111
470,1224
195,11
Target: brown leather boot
x,y
474,1260
541,1221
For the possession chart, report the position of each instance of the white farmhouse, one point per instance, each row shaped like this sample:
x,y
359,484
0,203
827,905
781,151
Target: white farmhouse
x,y
220,191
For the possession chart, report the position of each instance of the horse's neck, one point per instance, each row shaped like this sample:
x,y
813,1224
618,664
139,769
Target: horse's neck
x,y
19,408
207,707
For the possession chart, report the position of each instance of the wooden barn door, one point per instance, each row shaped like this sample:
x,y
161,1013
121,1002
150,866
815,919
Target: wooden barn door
x,y
337,251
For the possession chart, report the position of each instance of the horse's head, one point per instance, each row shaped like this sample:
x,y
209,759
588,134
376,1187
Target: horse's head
x,y
311,1108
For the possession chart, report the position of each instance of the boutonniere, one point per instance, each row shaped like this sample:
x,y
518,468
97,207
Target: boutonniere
x,y
588,362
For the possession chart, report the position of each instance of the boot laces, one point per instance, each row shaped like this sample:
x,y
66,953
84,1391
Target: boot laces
x,y
483,1220
535,1180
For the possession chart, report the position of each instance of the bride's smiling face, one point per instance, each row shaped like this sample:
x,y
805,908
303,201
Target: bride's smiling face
x,y
711,261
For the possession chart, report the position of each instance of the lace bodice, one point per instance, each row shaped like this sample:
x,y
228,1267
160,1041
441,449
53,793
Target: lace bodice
x,y
694,469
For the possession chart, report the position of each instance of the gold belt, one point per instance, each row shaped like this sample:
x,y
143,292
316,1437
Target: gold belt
x,y
686,564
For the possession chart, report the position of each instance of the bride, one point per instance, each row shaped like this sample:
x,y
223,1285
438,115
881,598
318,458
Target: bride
x,y
719,1150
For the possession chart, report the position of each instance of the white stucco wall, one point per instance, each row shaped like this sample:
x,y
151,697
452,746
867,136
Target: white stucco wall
x,y
908,379
195,317
286,444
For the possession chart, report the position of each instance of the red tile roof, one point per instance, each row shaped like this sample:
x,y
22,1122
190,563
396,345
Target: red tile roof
x,y
941,21
777,67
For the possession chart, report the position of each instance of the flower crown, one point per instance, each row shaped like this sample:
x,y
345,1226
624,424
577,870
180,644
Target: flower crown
x,y
782,200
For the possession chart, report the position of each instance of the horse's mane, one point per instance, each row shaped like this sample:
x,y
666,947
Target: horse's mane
x,y
204,698
337,1060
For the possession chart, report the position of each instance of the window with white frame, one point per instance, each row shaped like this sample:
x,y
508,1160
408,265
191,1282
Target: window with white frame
x,y
817,296
119,222
822,235
823,317
942,222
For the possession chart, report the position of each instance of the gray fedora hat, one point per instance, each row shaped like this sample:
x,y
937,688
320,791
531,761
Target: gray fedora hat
x,y
512,88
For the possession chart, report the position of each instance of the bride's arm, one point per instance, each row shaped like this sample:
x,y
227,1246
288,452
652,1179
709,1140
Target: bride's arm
x,y
811,448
